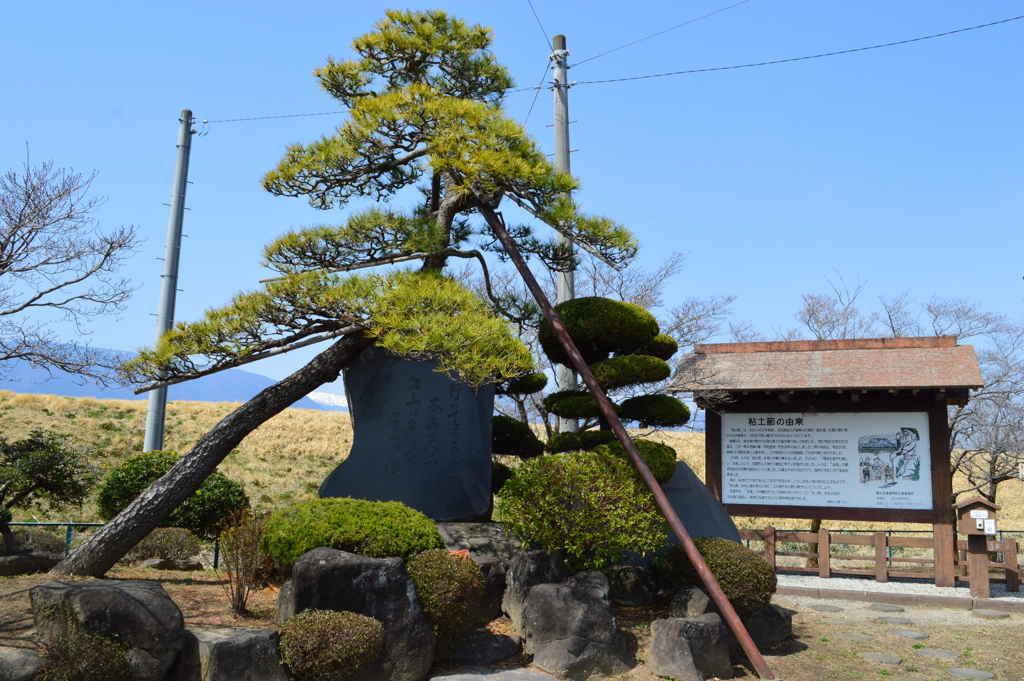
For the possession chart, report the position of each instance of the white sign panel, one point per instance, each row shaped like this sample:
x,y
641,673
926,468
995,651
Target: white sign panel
x,y
848,460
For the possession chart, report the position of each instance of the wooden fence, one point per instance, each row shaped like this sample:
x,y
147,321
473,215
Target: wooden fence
x,y
880,561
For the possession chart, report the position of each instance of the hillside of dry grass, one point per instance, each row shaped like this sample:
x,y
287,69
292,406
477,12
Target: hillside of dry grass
x,y
287,457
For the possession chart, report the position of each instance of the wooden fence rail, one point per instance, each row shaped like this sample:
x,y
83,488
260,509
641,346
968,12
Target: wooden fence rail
x,y
880,563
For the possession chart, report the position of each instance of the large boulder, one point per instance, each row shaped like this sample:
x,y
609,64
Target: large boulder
x,y
484,647
138,612
528,569
691,601
480,539
689,648
27,561
494,588
327,579
770,626
19,664
632,585
230,654
571,631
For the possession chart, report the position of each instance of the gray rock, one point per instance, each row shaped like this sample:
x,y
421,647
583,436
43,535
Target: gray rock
x,y
691,601
631,585
987,614
494,588
191,565
418,437
702,514
485,648
229,654
156,564
900,621
528,569
138,612
966,673
480,539
571,631
826,608
690,648
936,654
909,633
859,638
19,664
492,674
770,626
327,579
26,562
881,657
885,607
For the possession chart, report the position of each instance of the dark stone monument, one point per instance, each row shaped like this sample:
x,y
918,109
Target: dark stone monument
x,y
701,513
418,437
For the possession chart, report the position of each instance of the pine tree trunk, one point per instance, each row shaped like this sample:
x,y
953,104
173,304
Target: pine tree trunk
x,y
101,551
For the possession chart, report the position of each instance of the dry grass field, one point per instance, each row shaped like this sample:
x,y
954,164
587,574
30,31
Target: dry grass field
x,y
285,460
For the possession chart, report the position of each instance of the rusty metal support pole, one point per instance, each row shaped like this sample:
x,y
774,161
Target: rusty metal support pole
x,y
731,618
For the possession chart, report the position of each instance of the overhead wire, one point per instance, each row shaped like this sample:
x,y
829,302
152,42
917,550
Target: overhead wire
x,y
793,59
263,118
538,89
535,16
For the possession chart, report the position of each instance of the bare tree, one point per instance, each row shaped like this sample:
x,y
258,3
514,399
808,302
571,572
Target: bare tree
x,y
56,266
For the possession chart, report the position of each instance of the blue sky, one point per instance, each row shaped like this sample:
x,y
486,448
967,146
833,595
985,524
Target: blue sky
x,y
902,167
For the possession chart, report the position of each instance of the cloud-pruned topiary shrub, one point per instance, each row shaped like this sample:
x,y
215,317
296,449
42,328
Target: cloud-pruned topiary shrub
x,y
500,474
660,458
450,588
514,438
746,578
574,442
201,514
656,410
590,508
376,529
599,327
324,645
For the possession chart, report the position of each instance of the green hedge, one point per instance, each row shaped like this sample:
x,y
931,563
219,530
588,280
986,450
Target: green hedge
x,y
660,458
324,645
450,587
377,529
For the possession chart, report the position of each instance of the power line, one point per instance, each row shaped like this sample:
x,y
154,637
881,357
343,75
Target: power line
x,y
263,118
546,39
813,56
654,35
538,89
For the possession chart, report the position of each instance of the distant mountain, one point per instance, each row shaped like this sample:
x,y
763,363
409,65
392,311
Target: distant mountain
x,y
233,385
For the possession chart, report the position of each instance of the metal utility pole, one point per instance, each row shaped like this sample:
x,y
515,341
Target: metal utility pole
x,y
565,289
169,279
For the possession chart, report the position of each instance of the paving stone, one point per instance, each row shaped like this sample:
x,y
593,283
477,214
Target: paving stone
x,y
826,608
909,633
937,654
837,622
860,638
986,614
966,673
885,607
493,674
881,657
894,620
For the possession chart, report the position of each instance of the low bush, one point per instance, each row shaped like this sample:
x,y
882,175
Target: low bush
x,y
590,508
38,539
170,543
377,529
746,578
323,645
84,656
243,559
660,458
450,588
500,474
202,513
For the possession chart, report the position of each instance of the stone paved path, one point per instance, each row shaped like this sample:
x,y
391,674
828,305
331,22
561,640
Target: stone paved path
x,y
492,674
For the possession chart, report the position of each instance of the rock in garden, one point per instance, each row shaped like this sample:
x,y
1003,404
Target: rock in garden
x,y
631,585
327,579
156,564
689,648
909,633
494,588
229,654
968,673
691,601
987,614
483,647
886,607
26,562
527,570
135,611
19,664
571,631
770,626
480,539
190,565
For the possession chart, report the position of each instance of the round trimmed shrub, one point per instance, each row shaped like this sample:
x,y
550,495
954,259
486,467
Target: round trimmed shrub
x,y
590,508
324,645
660,458
598,327
450,588
201,514
84,656
574,404
170,543
513,437
661,346
376,529
619,372
38,539
746,578
524,385
656,410
581,440
500,474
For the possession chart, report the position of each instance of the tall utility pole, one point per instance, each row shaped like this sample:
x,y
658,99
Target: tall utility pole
x,y
169,279
564,280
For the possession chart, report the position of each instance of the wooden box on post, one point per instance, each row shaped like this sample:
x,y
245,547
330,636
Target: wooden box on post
x,y
976,518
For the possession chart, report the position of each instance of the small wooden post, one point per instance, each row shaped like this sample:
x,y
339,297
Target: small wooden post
x,y
1010,560
769,545
881,557
977,564
824,554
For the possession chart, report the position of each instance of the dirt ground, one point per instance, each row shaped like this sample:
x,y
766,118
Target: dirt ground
x,y
814,653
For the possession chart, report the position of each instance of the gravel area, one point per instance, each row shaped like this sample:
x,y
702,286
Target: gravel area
x,y
904,586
